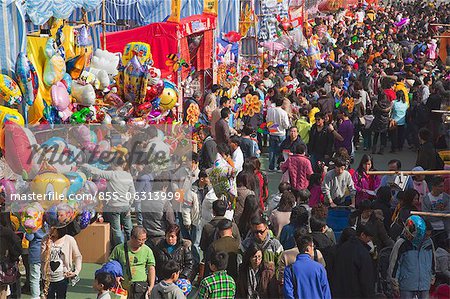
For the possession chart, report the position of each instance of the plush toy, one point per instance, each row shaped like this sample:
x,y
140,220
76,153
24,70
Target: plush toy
x,y
9,91
141,50
54,67
83,94
61,100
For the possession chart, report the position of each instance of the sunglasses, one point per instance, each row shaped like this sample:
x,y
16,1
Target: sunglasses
x,y
259,232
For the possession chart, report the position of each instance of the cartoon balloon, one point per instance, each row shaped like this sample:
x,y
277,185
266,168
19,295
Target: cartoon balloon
x,y
31,217
77,180
50,186
19,143
54,67
133,77
9,91
9,189
169,96
61,100
26,78
75,66
136,49
84,218
67,81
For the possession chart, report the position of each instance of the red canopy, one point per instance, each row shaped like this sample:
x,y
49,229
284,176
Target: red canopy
x,y
164,37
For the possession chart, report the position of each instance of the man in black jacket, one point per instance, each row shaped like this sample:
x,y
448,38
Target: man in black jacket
x,y
427,156
208,151
320,141
353,273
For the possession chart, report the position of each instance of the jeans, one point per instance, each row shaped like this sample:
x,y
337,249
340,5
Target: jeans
x,y
196,233
367,136
58,290
274,150
383,138
397,138
116,220
35,280
414,294
138,210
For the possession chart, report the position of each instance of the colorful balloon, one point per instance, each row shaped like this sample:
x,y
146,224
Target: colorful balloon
x,y
169,96
61,100
67,81
9,91
133,78
75,66
27,78
50,186
19,143
141,50
77,180
84,218
184,285
31,217
55,66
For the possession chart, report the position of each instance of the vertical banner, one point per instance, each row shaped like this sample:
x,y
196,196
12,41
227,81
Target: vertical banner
x,y
211,6
175,11
296,13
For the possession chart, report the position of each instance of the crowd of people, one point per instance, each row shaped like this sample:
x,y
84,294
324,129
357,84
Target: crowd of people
x,y
230,237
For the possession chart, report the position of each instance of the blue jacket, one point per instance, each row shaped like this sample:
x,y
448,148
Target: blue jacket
x,y
412,268
34,248
309,277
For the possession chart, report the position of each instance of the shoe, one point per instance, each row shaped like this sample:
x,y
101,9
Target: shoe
x,y
365,149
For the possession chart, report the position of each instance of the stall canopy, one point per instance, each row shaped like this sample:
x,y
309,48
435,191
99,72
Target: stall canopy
x,y
171,38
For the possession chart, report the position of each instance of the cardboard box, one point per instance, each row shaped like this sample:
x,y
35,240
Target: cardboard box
x,y
94,243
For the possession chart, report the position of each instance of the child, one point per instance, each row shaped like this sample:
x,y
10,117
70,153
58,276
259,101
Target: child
x,y
167,289
34,260
421,186
102,284
315,183
274,199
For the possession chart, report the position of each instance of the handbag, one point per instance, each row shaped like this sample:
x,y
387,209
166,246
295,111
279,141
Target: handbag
x,y
137,287
119,292
9,272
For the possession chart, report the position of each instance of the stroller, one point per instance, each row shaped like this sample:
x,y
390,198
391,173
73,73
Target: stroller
x,y
383,284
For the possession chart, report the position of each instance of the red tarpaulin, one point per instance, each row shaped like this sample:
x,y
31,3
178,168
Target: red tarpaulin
x,y
333,5
163,38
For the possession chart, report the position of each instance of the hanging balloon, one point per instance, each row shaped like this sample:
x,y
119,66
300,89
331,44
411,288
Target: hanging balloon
x,y
75,66
9,91
133,76
67,81
84,218
169,96
139,49
31,217
55,66
19,143
77,180
27,78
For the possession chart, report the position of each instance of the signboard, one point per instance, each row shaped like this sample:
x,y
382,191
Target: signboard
x,y
210,6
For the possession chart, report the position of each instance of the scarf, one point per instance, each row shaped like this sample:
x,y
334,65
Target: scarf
x,y
252,284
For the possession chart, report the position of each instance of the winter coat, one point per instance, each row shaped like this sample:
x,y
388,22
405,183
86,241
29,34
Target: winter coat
x,y
410,267
242,194
385,208
208,153
266,287
367,182
10,245
353,272
209,232
320,142
166,291
381,113
381,238
428,158
271,248
181,254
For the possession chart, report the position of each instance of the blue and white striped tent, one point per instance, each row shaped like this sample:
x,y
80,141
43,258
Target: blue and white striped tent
x,y
13,25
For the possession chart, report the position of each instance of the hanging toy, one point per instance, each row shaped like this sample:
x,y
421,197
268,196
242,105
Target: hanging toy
x,y
27,79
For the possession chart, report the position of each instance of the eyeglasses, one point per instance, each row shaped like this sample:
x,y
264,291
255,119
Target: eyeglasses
x,y
259,232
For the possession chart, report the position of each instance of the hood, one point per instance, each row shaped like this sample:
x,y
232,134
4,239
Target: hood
x,y
167,288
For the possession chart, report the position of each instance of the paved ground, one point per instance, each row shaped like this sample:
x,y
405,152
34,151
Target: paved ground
x,y
83,290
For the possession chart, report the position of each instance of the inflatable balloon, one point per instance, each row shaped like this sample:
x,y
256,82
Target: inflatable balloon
x,y
133,78
403,22
60,215
19,143
77,180
416,227
67,81
31,217
106,61
113,99
9,189
84,94
52,185
57,144
9,91
169,96
84,137
75,66
184,285
84,219
26,78
153,75
61,100
154,91
141,50
55,67
12,115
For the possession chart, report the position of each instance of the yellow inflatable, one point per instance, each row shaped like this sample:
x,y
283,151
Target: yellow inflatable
x,y
141,50
52,187
9,90
169,96
8,114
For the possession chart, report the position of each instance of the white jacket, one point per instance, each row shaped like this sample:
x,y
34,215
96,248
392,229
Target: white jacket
x,y
279,117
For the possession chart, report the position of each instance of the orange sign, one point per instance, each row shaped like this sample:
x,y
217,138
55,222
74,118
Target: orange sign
x,y
176,11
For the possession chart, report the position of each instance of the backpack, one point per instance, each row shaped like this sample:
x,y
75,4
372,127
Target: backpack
x,y
421,114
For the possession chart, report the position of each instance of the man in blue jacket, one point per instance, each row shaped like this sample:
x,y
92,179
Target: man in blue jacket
x,y
306,278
